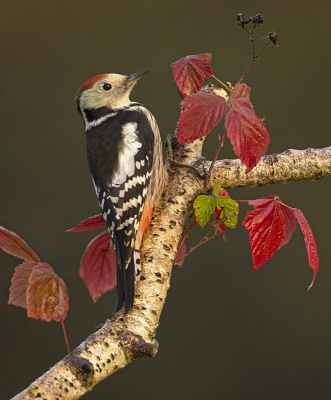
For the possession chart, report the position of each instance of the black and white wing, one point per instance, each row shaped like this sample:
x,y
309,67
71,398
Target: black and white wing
x,y
123,193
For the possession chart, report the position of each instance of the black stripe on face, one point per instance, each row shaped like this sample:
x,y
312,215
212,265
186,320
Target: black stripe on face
x,y
93,115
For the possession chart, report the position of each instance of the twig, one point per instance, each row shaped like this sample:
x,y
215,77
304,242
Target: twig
x,y
205,239
185,235
65,335
220,145
223,84
263,48
255,58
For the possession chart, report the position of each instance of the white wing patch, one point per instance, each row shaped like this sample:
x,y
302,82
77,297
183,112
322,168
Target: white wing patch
x,y
130,148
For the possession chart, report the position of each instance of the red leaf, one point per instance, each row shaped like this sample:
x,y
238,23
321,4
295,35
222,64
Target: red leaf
x,y
310,242
203,112
291,225
90,223
98,266
20,283
47,296
225,193
189,72
245,130
248,137
270,226
218,213
14,245
181,253
240,100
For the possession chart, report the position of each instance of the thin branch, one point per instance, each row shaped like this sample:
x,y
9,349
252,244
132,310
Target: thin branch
x,y
185,235
257,55
255,58
65,335
205,239
220,145
223,84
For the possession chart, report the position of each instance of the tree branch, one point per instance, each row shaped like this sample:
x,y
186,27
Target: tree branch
x,y
289,166
123,339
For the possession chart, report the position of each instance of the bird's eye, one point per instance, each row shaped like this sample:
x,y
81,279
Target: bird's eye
x,y
106,87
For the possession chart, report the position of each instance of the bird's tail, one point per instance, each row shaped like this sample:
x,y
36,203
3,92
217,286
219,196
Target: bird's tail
x,y
126,277
126,282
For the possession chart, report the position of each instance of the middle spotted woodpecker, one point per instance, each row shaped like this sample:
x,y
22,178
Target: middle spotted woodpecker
x,y
124,154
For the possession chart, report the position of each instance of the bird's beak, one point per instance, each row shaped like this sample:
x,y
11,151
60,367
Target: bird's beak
x,y
135,77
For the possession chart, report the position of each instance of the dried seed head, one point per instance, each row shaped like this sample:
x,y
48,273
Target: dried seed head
x,y
242,19
257,19
273,37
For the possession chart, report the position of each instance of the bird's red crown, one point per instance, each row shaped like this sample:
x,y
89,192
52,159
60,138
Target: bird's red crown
x,y
88,84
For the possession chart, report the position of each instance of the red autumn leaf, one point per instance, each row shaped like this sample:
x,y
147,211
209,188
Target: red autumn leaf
x,y
291,225
248,137
90,223
245,130
203,111
181,253
270,228
310,242
20,283
98,266
14,245
189,72
240,98
47,296
225,193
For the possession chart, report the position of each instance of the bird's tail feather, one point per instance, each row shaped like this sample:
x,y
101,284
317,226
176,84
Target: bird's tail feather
x,y
120,277
126,283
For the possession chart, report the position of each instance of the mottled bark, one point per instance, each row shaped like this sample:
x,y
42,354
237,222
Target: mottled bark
x,y
124,339
290,166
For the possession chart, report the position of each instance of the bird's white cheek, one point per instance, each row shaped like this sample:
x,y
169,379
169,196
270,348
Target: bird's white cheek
x,y
93,100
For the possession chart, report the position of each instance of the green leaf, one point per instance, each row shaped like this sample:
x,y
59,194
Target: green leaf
x,y
217,189
230,207
204,206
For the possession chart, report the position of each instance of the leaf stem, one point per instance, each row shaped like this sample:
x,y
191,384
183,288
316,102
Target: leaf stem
x,y
205,239
185,235
223,84
220,145
65,335
263,48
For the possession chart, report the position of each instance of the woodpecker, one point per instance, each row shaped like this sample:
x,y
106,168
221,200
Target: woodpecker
x,y
124,154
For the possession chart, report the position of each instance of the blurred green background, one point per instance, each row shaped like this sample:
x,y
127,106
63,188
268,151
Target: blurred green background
x,y
226,332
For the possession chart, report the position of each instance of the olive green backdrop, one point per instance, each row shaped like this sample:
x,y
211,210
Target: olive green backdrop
x,y
226,332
